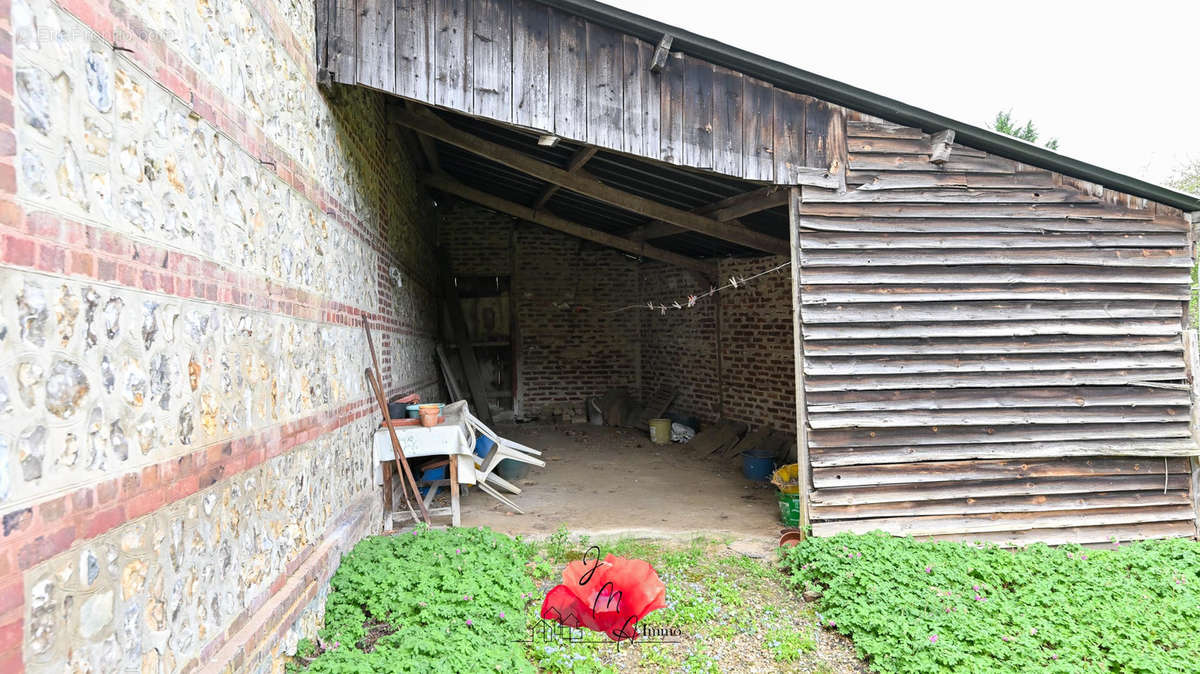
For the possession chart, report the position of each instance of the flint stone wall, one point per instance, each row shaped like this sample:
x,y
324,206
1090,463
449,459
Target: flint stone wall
x,y
190,235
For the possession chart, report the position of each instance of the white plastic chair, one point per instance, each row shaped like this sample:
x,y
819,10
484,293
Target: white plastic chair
x,y
502,449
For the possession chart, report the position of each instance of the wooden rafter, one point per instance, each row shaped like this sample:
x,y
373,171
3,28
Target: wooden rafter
x,y
576,162
584,183
726,210
451,186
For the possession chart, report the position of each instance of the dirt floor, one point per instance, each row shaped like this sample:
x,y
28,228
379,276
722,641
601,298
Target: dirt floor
x,y
608,482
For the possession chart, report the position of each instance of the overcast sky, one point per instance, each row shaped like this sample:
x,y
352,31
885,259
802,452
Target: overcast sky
x,y
1118,83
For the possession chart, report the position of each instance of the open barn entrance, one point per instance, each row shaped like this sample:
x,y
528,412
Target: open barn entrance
x,y
555,285
993,336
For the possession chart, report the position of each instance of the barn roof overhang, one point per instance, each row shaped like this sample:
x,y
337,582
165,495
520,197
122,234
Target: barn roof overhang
x,y
789,77
645,208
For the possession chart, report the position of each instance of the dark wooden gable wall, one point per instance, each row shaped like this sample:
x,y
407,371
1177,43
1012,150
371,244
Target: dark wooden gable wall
x,y
521,62
992,351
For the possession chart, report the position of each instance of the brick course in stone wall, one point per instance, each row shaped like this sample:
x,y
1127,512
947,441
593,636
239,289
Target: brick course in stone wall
x,y
190,236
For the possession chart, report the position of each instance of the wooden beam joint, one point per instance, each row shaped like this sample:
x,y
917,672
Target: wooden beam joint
x,y
940,146
661,53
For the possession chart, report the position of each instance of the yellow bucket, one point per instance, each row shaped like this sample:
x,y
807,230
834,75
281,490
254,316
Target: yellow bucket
x,y
660,431
787,478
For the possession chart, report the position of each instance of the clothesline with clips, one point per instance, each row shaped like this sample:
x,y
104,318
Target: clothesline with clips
x,y
690,301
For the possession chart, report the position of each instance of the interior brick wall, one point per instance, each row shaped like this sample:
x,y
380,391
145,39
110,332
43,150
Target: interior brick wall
x,y
757,352
191,234
755,380
679,348
570,347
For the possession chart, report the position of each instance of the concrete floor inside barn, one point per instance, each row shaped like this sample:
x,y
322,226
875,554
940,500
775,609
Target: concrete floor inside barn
x,y
612,482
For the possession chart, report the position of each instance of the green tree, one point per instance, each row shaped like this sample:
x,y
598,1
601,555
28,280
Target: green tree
x,y
1028,131
1186,177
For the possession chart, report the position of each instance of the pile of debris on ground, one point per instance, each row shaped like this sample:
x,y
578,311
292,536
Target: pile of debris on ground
x,y
723,439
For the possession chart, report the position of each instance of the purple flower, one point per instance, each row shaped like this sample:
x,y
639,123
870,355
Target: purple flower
x,y
832,624
929,569
502,615
1083,557
457,551
975,587
469,623
1005,637
1070,556
933,638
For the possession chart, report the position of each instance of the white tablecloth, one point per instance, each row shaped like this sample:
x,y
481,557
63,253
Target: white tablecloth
x,y
454,437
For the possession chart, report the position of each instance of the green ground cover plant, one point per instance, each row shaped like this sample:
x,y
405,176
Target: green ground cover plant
x,y
448,600
913,606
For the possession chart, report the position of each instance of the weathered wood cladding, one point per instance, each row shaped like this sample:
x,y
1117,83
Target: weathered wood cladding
x,y
991,351
521,62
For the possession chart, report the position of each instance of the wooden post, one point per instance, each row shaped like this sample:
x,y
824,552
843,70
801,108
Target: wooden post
x,y
794,201
1191,359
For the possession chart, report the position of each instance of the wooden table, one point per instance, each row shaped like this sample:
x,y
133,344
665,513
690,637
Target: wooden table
x,y
452,439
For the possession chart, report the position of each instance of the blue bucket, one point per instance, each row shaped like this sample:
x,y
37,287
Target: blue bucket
x,y
432,474
757,464
483,445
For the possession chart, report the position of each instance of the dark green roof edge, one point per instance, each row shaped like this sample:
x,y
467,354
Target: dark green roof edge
x,y
802,81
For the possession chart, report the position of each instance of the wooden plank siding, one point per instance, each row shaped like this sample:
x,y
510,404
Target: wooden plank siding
x,y
521,62
991,352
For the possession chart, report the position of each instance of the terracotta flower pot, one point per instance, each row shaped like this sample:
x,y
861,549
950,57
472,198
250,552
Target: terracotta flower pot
x,y
429,416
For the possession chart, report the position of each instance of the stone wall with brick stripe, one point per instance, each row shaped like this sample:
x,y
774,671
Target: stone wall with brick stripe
x,y
191,234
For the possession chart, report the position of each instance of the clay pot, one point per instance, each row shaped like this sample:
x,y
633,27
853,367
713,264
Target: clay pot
x,y
429,416
790,537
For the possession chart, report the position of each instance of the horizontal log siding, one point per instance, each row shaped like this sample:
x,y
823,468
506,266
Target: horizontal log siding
x,y
978,340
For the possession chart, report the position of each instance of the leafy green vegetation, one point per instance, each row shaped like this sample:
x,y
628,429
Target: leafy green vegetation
x,y
447,600
924,607
1004,123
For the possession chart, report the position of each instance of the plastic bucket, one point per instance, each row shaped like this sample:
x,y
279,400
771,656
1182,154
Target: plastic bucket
x,y
660,431
789,509
414,411
483,445
432,474
512,470
757,464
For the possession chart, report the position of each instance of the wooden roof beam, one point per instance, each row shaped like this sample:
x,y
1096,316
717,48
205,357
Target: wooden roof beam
x,y
584,183
451,186
576,162
726,210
